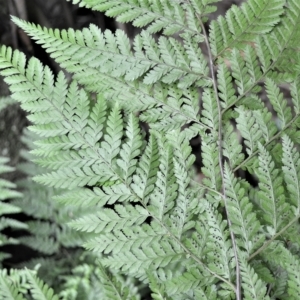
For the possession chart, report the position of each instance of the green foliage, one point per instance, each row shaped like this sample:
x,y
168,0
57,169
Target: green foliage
x,y
47,228
7,191
24,284
132,195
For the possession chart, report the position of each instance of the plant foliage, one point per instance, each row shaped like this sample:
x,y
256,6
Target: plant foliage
x,y
7,191
149,216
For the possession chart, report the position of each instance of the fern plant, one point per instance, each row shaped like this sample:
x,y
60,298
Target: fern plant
x,y
152,219
48,220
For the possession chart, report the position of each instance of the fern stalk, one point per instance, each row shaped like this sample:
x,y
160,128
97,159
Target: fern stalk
x,y
220,142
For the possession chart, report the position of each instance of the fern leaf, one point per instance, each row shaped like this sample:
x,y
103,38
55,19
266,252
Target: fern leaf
x,y
146,173
39,290
107,219
181,216
131,149
137,261
75,196
240,73
165,192
130,238
225,86
279,104
253,287
291,170
10,288
280,256
240,212
43,244
114,287
295,90
173,110
210,116
112,139
211,167
157,290
243,24
271,192
167,61
264,119
210,293
219,258
192,280
249,129
169,16
232,147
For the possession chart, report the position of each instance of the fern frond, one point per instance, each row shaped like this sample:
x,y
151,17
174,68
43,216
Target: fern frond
x,y
92,198
134,197
241,214
131,149
285,38
167,61
114,287
210,293
279,104
272,198
211,168
219,258
146,173
277,254
192,280
249,129
173,110
38,289
227,93
209,112
291,168
242,24
107,219
169,16
132,237
232,147
182,214
165,192
253,286
43,244
295,93
264,119
138,261
11,285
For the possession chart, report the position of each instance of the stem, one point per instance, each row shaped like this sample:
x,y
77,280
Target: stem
x,y
215,87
